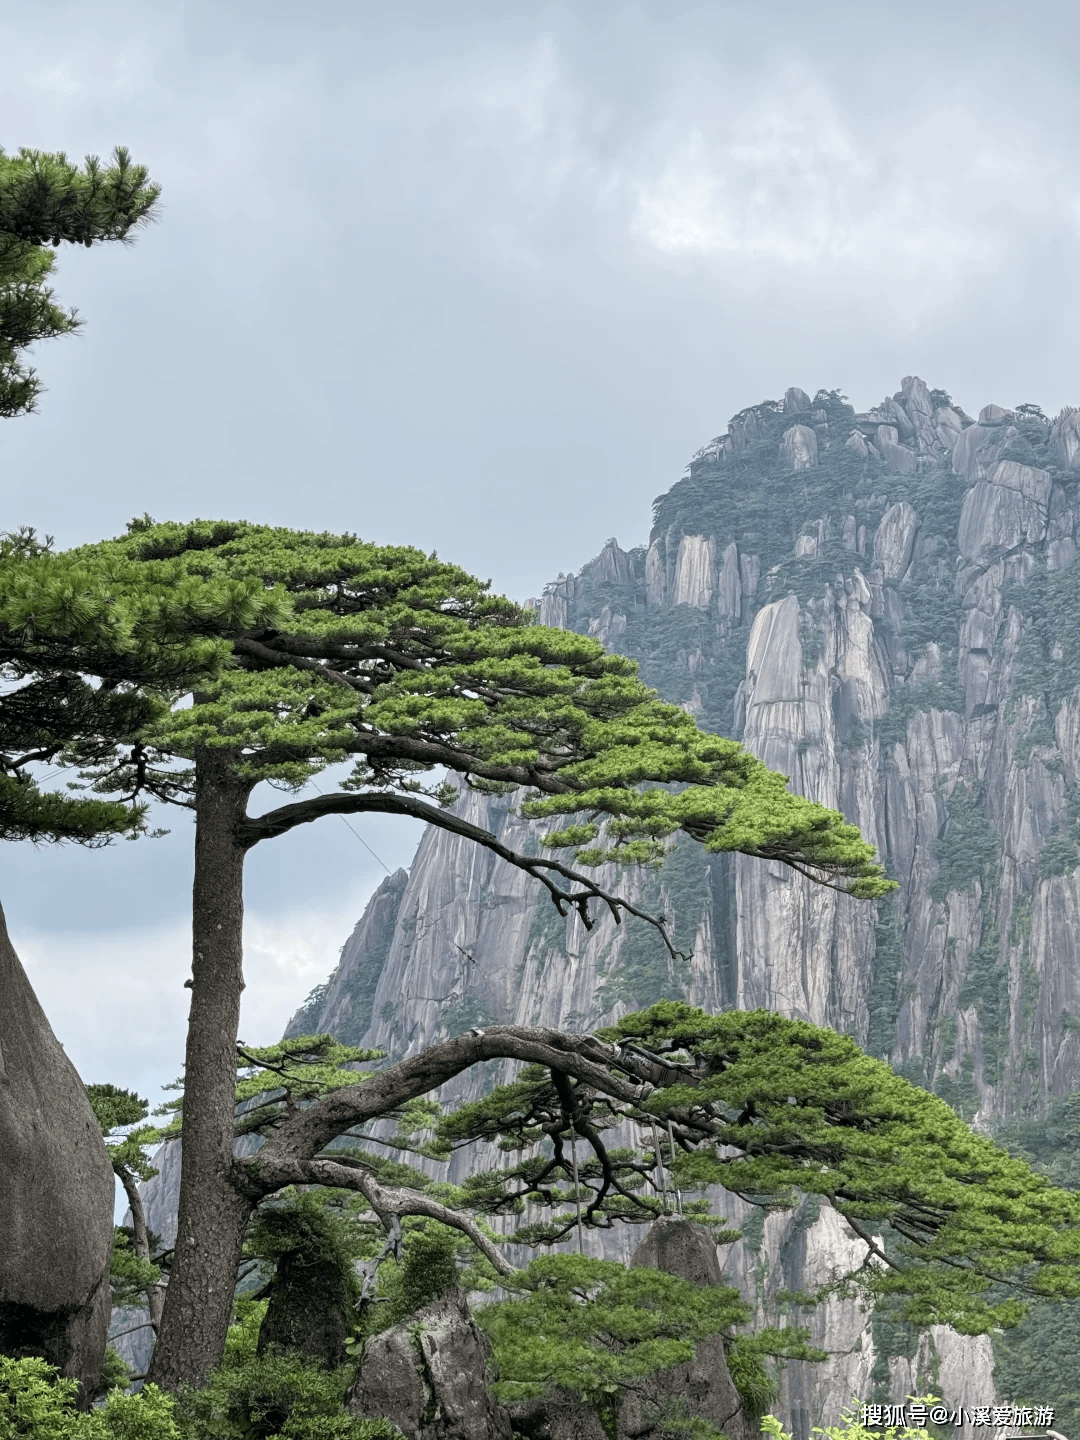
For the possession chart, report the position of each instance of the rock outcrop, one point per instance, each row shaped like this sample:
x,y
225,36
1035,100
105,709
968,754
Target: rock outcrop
x,y
428,1376
703,1385
56,1193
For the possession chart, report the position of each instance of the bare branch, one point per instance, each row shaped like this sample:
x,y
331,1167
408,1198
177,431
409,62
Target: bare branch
x,y
391,1204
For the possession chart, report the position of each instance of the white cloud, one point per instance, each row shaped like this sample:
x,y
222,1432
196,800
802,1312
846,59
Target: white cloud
x,y
116,999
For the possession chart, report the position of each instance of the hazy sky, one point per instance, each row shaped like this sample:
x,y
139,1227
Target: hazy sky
x,y
481,277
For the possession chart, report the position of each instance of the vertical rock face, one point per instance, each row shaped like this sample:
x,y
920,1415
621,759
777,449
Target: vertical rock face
x,y
56,1192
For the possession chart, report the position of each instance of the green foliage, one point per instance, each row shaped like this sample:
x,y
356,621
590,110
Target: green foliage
x,y
45,200
1036,1362
852,1429
274,1080
969,848
87,662
38,1405
804,1111
391,656
271,1396
884,998
906,701
679,889
1048,660
431,1265
129,1273
596,1328
1061,851
986,987
119,1113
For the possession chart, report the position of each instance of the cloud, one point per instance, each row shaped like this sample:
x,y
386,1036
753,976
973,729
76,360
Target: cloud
x,y
116,998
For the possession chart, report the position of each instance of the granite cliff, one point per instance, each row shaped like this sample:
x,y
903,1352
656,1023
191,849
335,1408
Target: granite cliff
x,y
883,606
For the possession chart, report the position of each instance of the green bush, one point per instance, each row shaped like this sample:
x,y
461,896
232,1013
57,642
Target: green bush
x,y
36,1404
271,1396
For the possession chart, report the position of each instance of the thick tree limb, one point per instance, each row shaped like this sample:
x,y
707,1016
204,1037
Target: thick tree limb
x,y
303,1136
390,1204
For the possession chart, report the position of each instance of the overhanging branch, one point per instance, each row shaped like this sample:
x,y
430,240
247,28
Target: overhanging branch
x,y
549,872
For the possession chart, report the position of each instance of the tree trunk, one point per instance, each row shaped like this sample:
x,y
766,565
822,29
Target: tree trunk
x,y
213,1213
140,1242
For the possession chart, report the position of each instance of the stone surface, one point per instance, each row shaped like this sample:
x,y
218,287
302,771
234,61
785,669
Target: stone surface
x,y
897,457
978,449
694,572
1065,439
894,540
915,401
704,1384
56,1192
729,585
799,447
654,576
1006,509
428,1376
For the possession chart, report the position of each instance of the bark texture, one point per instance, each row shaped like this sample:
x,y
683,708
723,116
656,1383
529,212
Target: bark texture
x,y
213,1211
308,1310
56,1192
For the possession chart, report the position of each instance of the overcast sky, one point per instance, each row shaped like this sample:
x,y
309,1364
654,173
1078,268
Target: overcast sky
x,y
481,277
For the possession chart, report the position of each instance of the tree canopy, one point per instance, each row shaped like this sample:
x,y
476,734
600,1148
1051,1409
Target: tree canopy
x,y
403,663
45,201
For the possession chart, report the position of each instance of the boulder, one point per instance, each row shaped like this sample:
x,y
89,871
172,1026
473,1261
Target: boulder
x,y
919,408
704,1384
56,1193
799,447
893,414
1065,440
899,459
428,1376
796,401
948,427
894,539
980,447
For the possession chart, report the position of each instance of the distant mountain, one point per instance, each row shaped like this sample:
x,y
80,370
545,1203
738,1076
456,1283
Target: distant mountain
x,y
884,607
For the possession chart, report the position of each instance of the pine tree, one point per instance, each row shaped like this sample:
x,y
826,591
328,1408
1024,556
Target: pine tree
x,y
344,650
46,201
49,643
955,1231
